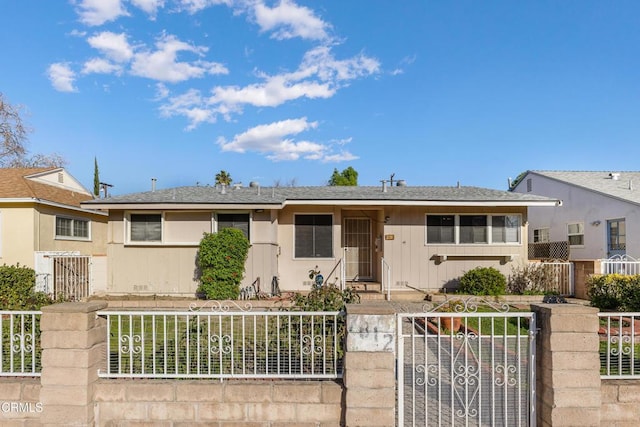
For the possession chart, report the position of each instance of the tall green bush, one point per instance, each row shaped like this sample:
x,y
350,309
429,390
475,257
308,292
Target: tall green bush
x,y
483,281
614,292
17,289
221,260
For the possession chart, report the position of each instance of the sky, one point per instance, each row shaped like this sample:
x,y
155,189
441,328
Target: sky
x,y
283,92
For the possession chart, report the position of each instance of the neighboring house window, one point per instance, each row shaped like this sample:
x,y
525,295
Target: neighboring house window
x,y
473,229
145,227
313,236
575,234
441,229
541,235
73,228
234,220
505,229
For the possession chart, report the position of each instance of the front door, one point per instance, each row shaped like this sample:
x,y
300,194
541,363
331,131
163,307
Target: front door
x,y
616,237
357,242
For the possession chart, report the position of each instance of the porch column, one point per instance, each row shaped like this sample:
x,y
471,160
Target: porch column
x,y
73,349
568,366
369,365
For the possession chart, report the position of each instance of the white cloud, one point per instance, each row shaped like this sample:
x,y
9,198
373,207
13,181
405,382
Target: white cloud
x,y
343,156
101,66
187,105
288,20
275,140
193,6
162,64
61,77
149,6
114,46
97,12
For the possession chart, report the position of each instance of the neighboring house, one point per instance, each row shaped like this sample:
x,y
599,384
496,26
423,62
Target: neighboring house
x,y
599,216
418,237
41,218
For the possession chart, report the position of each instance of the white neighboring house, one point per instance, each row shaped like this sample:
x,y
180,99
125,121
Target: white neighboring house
x,y
599,215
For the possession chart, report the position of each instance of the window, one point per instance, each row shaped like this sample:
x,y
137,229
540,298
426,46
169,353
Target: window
x,y
575,234
440,229
505,229
72,228
146,227
541,235
529,185
313,236
473,229
234,220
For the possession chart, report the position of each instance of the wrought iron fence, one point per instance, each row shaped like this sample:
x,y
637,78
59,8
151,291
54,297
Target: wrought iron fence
x,y
619,345
20,351
224,344
469,366
620,264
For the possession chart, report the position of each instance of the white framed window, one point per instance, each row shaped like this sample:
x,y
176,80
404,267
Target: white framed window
x,y
473,229
145,227
541,235
72,228
313,236
575,233
239,221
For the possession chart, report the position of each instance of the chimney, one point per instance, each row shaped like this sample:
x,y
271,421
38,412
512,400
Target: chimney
x,y
153,184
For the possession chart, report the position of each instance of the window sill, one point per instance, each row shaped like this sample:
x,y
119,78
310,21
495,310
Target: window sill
x,y
504,258
74,239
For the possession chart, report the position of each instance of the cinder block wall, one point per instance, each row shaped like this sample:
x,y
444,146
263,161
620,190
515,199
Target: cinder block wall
x,y
20,401
620,403
256,402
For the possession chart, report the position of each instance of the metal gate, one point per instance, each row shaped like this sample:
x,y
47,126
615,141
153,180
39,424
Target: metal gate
x,y
71,277
478,373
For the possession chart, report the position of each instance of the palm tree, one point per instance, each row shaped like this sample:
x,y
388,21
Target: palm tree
x,y
223,177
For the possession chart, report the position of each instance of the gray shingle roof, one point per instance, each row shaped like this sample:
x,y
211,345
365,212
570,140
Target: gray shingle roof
x,y
280,195
626,187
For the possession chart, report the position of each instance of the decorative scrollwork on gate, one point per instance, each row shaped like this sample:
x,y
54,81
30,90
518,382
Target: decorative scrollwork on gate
x,y
131,344
621,345
311,345
220,344
466,305
425,371
218,306
22,343
506,375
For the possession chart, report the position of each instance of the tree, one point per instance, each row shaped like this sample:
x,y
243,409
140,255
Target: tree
x,y
13,141
96,178
223,177
348,176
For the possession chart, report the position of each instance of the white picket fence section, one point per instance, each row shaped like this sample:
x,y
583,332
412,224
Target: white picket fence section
x,y
20,349
247,344
620,264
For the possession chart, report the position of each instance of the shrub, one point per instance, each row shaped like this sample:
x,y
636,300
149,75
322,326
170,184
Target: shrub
x,y
614,292
221,260
531,279
483,281
17,289
325,298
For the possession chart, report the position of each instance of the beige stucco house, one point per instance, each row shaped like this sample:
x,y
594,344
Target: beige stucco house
x,y
404,237
41,218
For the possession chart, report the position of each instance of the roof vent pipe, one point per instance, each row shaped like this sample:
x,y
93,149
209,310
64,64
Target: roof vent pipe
x,y
401,183
384,185
223,188
630,184
153,184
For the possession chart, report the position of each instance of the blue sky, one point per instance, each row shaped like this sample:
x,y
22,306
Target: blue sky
x,y
285,91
